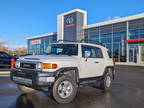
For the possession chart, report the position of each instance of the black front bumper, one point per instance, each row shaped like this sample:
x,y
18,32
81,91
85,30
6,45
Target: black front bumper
x,y
31,78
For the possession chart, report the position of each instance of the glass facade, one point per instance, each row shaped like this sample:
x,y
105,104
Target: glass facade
x,y
123,37
113,37
37,46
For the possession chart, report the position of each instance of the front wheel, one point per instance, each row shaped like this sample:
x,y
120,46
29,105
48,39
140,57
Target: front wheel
x,y
64,89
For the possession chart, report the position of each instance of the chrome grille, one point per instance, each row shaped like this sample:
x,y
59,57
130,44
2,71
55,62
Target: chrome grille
x,y
28,65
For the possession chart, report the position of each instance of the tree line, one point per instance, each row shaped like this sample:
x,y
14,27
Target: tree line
x,y
16,51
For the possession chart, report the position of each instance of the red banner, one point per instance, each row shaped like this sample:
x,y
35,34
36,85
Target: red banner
x,y
135,40
69,25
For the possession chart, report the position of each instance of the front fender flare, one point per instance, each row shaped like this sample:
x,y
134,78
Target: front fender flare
x,y
62,71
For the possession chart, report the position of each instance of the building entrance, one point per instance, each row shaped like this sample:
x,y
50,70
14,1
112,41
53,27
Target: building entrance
x,y
142,54
133,51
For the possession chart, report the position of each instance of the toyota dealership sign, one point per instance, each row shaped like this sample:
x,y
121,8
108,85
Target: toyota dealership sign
x,y
69,22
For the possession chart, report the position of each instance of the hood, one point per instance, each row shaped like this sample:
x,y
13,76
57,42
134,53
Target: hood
x,y
45,58
60,60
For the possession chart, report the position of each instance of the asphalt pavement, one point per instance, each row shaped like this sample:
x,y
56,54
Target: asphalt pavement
x,y
127,91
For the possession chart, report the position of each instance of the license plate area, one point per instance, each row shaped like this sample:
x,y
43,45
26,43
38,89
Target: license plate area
x,y
22,80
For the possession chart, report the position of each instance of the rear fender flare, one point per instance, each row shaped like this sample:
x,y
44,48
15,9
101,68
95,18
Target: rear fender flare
x,y
108,69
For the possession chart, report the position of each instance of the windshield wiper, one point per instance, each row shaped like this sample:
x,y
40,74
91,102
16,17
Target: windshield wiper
x,y
50,53
57,54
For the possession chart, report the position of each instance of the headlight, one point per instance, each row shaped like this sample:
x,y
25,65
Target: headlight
x,y
17,64
49,66
39,66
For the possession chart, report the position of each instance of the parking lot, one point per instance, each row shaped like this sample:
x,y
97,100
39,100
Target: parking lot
x,y
127,91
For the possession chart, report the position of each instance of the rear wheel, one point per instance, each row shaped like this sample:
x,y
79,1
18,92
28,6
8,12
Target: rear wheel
x,y
64,89
106,82
26,89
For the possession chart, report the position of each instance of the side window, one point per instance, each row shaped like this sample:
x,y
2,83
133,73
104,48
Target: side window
x,y
98,53
86,48
2,55
6,55
94,51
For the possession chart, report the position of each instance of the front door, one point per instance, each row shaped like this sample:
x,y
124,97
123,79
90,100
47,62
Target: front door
x,y
94,66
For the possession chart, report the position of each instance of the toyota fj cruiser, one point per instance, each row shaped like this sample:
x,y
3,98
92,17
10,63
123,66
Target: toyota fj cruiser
x,y
65,67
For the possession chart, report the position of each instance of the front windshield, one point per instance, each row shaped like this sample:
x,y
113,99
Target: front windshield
x,y
62,49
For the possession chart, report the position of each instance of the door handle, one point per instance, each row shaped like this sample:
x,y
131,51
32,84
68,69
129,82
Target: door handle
x,y
96,62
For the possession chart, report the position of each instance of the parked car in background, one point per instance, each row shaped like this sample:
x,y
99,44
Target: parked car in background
x,y
5,60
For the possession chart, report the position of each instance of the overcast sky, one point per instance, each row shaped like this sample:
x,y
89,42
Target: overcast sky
x,y
23,18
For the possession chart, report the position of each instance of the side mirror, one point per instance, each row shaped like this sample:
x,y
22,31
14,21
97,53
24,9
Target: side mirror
x,y
87,55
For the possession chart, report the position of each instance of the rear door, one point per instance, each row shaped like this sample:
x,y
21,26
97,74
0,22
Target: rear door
x,y
94,66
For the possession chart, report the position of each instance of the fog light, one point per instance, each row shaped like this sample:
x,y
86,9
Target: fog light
x,y
47,79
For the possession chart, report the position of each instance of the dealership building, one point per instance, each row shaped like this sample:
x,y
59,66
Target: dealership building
x,y
124,37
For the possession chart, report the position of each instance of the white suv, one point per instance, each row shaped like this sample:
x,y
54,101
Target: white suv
x,y
64,67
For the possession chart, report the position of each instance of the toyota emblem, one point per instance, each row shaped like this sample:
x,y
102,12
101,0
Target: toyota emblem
x,y
69,20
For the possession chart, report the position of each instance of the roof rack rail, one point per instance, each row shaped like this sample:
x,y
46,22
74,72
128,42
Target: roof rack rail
x,y
91,41
83,40
66,41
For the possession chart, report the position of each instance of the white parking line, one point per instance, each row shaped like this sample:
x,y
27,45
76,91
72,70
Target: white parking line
x,y
5,73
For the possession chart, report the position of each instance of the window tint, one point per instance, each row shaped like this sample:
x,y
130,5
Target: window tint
x,y
4,55
62,49
95,52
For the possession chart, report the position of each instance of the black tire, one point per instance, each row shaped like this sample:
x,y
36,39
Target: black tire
x,y
105,84
25,89
56,91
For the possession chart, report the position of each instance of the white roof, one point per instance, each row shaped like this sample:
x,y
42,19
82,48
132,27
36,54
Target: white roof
x,y
72,11
118,20
42,35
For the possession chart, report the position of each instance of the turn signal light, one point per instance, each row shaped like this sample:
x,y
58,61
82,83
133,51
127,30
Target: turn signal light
x,y
49,66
